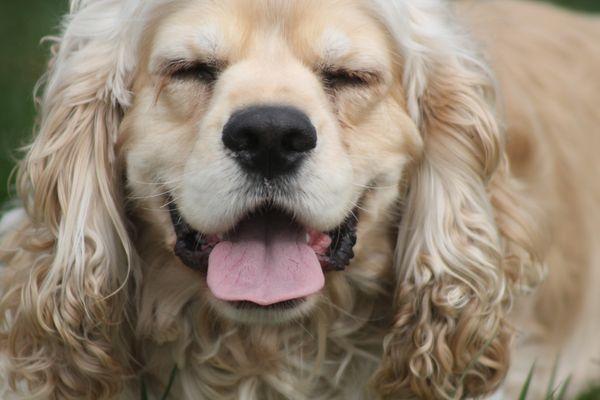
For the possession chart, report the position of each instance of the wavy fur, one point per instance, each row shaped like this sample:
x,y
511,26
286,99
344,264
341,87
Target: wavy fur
x,y
73,263
455,267
90,303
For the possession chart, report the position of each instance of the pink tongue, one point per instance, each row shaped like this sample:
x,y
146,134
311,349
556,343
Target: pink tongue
x,y
267,261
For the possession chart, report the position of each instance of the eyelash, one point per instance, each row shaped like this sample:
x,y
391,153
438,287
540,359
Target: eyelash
x,y
339,78
201,71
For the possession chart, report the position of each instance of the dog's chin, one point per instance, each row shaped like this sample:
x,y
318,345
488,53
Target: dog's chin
x,y
249,313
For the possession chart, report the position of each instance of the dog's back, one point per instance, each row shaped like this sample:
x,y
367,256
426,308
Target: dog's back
x,y
547,62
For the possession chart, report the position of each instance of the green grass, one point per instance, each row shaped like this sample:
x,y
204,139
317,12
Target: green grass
x,y
22,25
592,394
585,5
556,390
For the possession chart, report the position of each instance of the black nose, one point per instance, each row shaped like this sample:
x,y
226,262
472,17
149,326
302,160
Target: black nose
x,y
270,140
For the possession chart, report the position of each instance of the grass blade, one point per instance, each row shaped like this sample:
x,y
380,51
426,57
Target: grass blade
x,y
551,391
563,389
143,389
525,390
165,396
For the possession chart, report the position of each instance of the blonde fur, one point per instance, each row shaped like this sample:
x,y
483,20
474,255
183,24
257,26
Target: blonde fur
x,y
452,213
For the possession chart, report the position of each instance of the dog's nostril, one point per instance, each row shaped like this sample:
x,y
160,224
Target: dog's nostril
x,y
299,141
247,139
270,140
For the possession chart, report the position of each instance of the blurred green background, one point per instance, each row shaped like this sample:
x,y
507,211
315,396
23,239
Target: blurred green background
x,y
22,24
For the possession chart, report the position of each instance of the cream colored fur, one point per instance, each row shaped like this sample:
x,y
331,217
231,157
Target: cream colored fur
x,y
469,153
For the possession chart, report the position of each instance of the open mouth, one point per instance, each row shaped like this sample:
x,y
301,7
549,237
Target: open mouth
x,y
267,259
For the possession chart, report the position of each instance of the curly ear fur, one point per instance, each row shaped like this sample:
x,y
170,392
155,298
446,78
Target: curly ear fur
x,y
65,289
463,244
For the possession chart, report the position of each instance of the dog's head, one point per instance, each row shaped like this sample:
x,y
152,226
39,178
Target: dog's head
x,y
266,153
262,131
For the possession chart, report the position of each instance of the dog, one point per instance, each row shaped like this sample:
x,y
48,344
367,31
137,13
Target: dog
x,y
333,199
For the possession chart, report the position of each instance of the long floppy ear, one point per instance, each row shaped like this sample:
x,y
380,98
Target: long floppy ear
x,y
463,244
67,282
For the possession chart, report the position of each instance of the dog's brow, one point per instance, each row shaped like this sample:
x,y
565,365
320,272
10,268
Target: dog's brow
x,y
334,44
338,52
202,44
208,39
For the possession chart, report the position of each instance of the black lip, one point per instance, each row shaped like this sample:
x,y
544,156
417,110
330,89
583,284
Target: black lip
x,y
193,248
343,240
283,305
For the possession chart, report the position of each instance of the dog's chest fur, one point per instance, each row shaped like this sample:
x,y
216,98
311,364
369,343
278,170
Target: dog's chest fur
x,y
311,359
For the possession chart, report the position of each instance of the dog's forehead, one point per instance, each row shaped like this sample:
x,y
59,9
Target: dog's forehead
x,y
316,31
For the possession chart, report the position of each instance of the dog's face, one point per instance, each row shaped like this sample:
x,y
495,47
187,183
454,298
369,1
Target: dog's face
x,y
260,134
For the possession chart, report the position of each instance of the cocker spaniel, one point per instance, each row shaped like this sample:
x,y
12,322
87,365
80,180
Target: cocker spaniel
x,y
310,199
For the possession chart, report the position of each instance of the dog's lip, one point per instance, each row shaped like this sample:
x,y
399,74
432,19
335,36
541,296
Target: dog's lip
x,y
193,248
282,305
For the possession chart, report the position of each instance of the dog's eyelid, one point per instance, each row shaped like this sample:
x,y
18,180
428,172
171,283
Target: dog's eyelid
x,y
339,76
204,70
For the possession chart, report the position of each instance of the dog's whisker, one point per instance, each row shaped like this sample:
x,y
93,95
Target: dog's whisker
x,y
304,329
375,187
348,314
149,196
357,206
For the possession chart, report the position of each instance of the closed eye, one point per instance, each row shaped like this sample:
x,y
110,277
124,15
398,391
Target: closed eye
x,y
335,78
206,72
